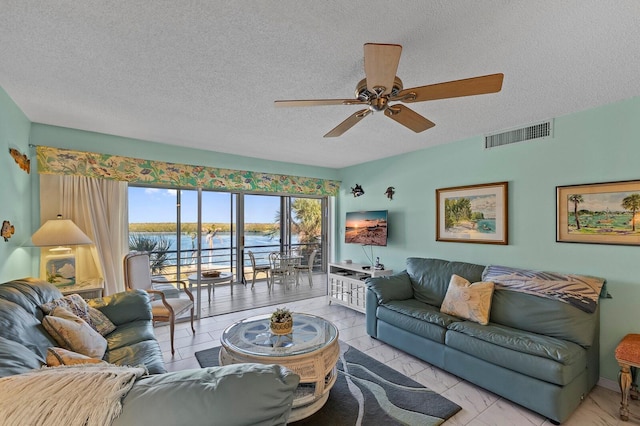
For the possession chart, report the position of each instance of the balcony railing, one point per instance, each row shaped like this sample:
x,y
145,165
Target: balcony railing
x,y
176,265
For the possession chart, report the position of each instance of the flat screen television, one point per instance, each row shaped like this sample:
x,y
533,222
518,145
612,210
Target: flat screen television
x,y
367,228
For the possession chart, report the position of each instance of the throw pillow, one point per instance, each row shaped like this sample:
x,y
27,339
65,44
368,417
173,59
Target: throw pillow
x,y
78,306
468,301
59,356
73,333
73,302
99,322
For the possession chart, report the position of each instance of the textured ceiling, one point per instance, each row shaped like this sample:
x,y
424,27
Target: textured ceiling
x,y
204,74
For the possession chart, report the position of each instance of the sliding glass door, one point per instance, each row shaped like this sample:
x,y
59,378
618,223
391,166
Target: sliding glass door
x,y
190,232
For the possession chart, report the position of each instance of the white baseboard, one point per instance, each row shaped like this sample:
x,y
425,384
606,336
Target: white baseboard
x,y
609,384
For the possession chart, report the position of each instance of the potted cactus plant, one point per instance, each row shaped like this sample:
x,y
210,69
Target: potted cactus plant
x,y
281,321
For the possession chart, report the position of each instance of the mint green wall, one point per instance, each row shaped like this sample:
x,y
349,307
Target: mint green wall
x,y
61,137
15,191
598,145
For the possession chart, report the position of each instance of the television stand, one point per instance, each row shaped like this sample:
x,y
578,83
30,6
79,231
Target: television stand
x,y
346,283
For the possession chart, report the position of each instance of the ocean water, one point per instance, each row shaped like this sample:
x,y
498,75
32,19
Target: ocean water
x,y
223,247
486,226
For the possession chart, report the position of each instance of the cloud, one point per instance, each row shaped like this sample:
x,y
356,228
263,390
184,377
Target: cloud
x,y
160,191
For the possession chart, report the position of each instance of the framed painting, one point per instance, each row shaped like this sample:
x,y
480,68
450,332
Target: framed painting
x,y
599,213
472,214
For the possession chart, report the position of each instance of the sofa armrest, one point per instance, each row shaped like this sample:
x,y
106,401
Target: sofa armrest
x,y
125,307
392,287
232,395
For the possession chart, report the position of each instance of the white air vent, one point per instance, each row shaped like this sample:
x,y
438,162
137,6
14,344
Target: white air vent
x,y
535,131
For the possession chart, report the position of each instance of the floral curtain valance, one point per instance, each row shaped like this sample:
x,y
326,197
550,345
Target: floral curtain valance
x,y
135,170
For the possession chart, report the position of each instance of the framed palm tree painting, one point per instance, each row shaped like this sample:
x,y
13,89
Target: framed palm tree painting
x,y
599,213
473,213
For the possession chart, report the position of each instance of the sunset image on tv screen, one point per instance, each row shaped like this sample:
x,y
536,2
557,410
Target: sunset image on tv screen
x,y
367,228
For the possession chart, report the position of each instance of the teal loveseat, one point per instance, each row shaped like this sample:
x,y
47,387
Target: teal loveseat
x,y
243,394
537,352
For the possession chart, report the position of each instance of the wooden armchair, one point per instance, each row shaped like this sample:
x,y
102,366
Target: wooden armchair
x,y
137,275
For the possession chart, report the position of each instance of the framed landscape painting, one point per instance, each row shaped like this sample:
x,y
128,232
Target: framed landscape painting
x,y
599,213
472,214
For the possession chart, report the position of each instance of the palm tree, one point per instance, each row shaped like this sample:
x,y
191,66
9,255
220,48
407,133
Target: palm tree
x,y
632,203
157,247
576,199
307,219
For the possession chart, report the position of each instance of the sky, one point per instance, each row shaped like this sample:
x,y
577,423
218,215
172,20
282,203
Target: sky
x,y
159,205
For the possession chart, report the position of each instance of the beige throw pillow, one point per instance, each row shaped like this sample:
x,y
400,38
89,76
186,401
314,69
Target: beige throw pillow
x,y
73,333
78,306
58,356
468,301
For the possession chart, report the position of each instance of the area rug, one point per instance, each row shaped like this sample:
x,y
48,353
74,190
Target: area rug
x,y
368,392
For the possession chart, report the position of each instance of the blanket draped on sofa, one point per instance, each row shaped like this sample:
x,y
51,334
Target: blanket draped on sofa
x,y
88,394
580,291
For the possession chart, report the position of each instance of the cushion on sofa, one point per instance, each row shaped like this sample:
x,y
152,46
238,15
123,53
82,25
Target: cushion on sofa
x,y
78,306
23,327
60,356
73,333
145,353
16,358
391,287
544,316
468,301
430,277
124,307
211,396
416,317
99,321
546,358
129,334
72,302
29,293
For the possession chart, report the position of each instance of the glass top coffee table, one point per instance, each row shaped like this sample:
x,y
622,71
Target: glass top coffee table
x,y
311,351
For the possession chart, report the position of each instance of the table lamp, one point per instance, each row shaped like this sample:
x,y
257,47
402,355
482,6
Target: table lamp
x,y
60,261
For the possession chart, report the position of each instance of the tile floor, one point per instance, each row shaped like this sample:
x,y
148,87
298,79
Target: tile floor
x,y
479,407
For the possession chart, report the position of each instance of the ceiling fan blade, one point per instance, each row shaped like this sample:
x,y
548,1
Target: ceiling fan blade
x,y
351,121
380,65
452,89
317,102
408,118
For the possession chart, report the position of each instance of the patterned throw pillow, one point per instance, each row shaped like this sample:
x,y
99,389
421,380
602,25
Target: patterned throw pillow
x,y
99,322
59,356
73,333
73,302
468,301
78,306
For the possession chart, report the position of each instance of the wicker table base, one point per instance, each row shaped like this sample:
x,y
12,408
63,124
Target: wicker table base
x,y
315,366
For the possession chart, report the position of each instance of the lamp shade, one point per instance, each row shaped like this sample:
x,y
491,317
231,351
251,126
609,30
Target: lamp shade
x,y
59,232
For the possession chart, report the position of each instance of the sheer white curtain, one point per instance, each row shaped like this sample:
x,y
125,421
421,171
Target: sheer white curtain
x,y
98,207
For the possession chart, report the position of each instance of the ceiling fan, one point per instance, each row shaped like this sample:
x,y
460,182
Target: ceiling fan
x,y
381,86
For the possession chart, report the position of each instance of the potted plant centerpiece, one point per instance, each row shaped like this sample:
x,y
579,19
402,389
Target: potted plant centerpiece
x,y
281,321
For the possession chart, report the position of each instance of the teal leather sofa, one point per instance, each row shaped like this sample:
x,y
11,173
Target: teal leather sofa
x,y
540,353
243,394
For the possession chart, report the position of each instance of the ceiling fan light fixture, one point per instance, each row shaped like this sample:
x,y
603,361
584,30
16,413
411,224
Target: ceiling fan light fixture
x,y
380,66
365,95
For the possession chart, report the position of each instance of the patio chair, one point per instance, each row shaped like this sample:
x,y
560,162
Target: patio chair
x,y
279,268
306,268
137,276
256,269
